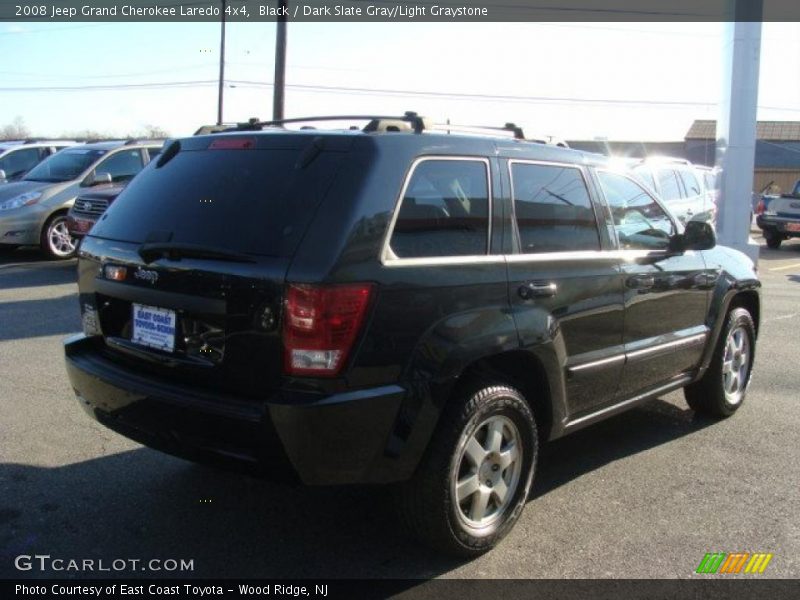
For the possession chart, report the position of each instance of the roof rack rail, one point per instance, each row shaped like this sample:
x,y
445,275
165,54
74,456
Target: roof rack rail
x,y
409,121
515,130
376,122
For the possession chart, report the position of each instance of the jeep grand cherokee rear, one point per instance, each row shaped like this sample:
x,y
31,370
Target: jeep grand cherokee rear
x,y
385,306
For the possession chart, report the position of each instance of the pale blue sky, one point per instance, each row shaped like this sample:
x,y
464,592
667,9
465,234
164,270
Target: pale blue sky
x,y
639,64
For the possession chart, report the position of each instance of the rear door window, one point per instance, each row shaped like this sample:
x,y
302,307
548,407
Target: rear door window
x,y
256,201
553,210
668,184
690,183
444,211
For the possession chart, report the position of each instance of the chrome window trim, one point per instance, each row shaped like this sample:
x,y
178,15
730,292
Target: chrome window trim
x,y
390,259
548,163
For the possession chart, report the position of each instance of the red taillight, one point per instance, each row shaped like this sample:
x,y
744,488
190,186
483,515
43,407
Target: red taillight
x,y
233,143
320,325
760,207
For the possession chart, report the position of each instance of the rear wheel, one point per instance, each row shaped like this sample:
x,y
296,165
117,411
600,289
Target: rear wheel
x,y
56,240
472,485
773,238
723,387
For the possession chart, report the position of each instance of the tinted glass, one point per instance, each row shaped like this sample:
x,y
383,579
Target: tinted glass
x,y
553,209
253,201
122,166
638,219
17,163
690,183
64,166
668,183
445,211
153,152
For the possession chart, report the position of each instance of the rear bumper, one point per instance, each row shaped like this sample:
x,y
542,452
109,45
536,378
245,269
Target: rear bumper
x,y
778,224
333,439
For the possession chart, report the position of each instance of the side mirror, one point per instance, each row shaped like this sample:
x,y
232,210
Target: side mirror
x,y
97,179
698,235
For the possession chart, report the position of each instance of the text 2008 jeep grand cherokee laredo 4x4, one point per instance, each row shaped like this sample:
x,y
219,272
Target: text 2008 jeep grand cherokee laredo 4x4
x,y
397,305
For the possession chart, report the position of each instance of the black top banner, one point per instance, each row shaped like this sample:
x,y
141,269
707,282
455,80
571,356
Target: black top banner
x,y
399,11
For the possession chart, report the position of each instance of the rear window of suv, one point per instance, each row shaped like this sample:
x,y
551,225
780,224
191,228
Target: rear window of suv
x,y
256,201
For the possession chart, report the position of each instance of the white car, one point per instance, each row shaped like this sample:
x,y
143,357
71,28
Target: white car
x,y
681,185
20,156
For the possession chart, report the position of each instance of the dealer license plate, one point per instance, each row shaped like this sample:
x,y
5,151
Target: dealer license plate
x,y
154,327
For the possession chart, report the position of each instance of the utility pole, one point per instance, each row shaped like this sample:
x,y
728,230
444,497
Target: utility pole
x,y
280,63
221,64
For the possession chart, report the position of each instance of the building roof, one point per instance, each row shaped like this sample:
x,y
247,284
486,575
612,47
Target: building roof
x,y
775,131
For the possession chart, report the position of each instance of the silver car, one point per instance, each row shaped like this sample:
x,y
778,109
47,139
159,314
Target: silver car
x,y
681,185
19,157
33,211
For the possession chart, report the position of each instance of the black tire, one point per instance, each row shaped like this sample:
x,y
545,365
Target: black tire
x,y
709,395
427,504
773,239
56,222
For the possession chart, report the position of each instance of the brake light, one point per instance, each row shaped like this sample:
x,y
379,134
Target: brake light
x,y
233,143
760,207
320,326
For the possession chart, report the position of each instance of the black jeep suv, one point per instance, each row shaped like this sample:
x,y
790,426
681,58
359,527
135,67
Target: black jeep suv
x,y
399,305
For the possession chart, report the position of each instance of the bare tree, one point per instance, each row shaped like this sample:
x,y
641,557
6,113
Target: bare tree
x,y
16,130
154,132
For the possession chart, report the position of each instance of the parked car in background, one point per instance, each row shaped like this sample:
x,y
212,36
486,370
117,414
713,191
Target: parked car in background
x,y
19,157
680,185
33,211
399,306
778,217
89,206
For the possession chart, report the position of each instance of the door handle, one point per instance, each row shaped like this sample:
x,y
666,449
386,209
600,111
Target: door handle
x,y
537,289
641,282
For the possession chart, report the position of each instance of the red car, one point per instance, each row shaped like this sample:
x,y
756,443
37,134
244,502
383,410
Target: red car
x,y
88,208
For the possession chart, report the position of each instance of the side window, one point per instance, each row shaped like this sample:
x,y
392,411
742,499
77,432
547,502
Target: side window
x,y
640,222
690,183
122,166
668,182
645,175
553,209
153,152
445,211
16,164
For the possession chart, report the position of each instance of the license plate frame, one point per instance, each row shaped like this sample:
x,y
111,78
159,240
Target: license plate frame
x,y
153,327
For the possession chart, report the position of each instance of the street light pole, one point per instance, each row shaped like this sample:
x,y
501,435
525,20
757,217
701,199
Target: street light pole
x,y
280,63
221,64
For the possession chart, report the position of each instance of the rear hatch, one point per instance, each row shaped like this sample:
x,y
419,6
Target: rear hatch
x,y
183,276
786,207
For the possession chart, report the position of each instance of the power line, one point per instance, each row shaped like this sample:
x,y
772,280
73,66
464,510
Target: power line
x,y
363,91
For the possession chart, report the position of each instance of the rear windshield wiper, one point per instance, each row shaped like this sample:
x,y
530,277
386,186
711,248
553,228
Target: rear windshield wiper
x,y
175,251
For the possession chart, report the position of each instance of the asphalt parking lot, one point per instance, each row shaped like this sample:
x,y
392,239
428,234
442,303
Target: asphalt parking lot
x,y
645,494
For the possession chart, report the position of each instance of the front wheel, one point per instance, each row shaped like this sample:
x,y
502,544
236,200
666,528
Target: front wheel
x,y
722,389
56,240
472,485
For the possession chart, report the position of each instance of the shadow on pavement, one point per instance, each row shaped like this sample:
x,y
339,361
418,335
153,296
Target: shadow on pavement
x,y
650,425
143,504
34,318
